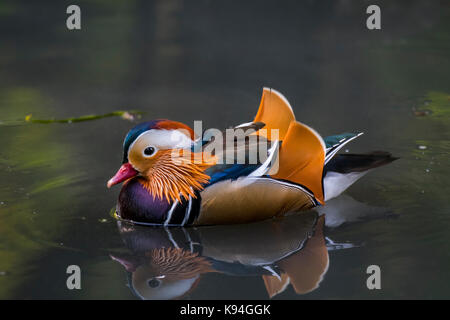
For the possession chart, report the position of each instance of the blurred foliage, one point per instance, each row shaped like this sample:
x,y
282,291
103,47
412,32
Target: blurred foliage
x,y
31,162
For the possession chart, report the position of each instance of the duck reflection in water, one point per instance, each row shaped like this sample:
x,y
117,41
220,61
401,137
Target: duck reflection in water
x,y
168,263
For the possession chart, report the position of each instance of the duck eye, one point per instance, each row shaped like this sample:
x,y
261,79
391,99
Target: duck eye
x,y
153,283
149,151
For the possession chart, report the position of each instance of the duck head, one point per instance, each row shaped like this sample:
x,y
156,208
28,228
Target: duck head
x,y
163,273
154,153
168,263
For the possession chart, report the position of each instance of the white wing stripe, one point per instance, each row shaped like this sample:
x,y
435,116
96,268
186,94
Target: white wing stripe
x,y
339,147
188,212
169,214
265,167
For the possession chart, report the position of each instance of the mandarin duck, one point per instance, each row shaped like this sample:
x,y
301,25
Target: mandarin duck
x,y
296,171
168,263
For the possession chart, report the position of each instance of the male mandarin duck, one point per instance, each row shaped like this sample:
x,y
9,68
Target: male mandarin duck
x,y
301,170
168,263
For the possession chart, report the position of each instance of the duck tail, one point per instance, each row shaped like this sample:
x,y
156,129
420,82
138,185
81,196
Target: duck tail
x,y
345,169
307,267
275,285
348,163
276,113
302,153
301,159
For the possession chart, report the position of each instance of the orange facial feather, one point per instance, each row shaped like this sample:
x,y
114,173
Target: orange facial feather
x,y
174,174
177,263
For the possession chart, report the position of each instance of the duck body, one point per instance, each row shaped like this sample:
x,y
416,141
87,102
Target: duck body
x,y
167,263
297,171
220,203
136,204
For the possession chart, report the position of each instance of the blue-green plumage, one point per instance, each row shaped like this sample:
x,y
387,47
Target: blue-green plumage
x,y
134,133
331,141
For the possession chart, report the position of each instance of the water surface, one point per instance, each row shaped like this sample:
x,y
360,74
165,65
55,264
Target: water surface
x,y
209,61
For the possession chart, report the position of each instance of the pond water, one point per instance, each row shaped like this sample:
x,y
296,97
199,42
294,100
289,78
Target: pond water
x,y
208,61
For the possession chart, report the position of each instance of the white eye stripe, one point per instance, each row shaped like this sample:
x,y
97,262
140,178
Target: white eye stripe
x,y
162,139
166,139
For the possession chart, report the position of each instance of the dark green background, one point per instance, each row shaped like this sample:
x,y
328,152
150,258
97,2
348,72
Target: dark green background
x,y
208,60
